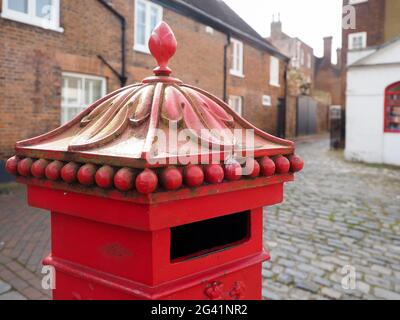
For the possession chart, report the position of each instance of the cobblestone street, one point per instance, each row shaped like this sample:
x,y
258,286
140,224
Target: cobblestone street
x,y
336,214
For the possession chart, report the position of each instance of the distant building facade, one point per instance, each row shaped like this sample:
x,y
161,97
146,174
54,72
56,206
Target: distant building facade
x,y
372,82
313,83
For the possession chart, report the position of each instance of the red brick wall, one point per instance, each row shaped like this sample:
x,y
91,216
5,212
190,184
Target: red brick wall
x,y
32,60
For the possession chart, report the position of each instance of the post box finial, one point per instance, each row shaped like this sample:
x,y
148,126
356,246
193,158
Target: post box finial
x,y
162,45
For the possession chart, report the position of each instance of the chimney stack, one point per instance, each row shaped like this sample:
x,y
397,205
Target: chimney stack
x,y
328,49
276,26
339,57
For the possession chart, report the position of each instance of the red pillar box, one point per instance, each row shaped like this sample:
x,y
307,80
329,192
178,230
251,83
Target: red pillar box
x,y
132,217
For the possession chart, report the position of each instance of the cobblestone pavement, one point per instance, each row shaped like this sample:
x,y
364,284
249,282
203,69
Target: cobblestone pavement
x,y
336,216
24,242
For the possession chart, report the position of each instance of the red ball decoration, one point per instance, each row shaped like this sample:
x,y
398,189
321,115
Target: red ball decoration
x,y
267,167
69,172
193,176
296,163
39,167
24,167
105,177
124,179
171,178
86,174
253,165
53,170
282,165
146,182
214,173
12,165
233,171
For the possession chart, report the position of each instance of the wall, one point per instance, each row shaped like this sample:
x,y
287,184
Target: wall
x,y
365,137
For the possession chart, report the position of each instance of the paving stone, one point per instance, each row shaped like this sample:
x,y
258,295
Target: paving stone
x,y
322,281
386,294
267,274
12,295
330,293
380,282
287,263
285,278
267,295
381,270
363,287
4,287
311,269
307,286
323,265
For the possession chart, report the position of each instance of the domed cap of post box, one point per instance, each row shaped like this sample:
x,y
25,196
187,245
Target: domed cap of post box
x,y
135,129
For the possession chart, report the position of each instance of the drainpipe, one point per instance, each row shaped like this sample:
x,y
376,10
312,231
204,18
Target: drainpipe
x,y
121,75
285,95
226,50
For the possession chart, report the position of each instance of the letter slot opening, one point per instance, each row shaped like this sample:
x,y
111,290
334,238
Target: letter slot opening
x,y
206,237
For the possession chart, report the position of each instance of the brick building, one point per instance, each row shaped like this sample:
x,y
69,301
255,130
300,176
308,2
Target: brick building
x,y
55,60
327,83
309,79
301,65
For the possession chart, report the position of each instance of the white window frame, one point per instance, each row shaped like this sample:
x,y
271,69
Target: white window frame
x,y
274,71
81,99
31,17
363,35
302,57
140,47
309,62
238,108
237,58
351,2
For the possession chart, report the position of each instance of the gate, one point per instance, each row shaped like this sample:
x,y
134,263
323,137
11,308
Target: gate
x,y
306,116
336,123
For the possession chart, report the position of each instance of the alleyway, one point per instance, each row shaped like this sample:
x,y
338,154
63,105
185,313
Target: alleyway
x,y
336,214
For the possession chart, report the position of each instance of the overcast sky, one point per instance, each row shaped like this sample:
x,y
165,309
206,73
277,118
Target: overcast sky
x,y
309,20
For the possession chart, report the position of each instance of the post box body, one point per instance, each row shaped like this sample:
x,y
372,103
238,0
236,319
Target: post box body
x,y
106,248
127,227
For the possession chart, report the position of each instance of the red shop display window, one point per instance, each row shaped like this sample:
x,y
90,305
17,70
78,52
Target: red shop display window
x,y
392,108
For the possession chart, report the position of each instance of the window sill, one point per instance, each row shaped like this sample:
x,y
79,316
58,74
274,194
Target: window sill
x,y
237,74
27,21
391,131
277,85
141,49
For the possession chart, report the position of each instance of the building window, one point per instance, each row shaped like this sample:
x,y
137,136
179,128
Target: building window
x,y
392,108
41,13
237,58
274,72
236,103
147,16
302,59
309,63
357,40
78,92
